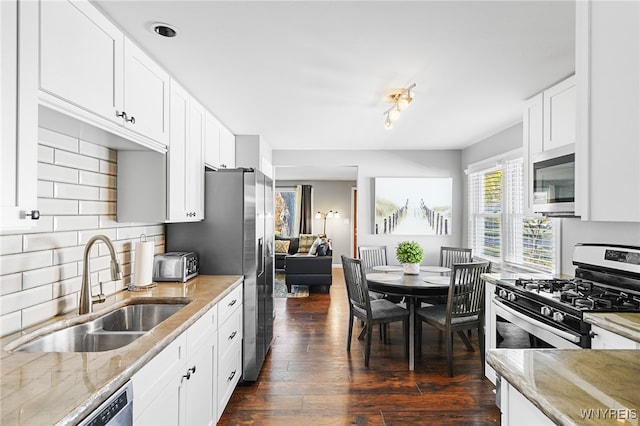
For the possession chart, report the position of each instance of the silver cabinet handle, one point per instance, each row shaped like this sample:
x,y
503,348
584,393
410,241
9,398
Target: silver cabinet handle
x,y
34,215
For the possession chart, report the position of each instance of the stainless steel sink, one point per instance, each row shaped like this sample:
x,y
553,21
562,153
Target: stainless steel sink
x,y
109,331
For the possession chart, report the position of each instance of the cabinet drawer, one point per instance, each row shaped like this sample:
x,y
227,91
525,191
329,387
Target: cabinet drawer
x,y
153,377
229,333
229,372
230,302
202,329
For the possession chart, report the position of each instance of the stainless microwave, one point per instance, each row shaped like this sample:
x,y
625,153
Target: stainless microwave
x,y
554,183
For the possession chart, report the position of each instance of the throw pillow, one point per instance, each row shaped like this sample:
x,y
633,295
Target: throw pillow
x,y
314,246
306,240
282,246
323,248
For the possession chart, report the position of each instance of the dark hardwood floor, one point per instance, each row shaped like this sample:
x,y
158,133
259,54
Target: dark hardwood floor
x,y
310,379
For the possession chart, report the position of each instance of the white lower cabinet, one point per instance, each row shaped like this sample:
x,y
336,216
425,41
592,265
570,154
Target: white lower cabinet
x,y
517,410
191,381
229,347
605,339
489,328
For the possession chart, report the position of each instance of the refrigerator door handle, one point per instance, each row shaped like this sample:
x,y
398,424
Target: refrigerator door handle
x,y
260,256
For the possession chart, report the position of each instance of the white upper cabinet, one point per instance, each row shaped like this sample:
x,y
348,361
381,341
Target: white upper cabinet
x,y
18,114
608,129
81,54
90,71
548,123
559,109
227,149
146,94
212,129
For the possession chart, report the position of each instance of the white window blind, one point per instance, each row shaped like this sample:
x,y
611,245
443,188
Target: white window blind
x,y
499,230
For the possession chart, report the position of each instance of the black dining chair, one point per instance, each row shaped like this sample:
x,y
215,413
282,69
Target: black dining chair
x,y
463,311
371,312
449,256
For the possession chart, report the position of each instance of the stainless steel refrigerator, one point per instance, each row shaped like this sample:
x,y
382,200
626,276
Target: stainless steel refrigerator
x,y
236,237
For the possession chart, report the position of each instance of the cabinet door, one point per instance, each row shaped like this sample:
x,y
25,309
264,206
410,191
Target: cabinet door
x,y
195,162
560,115
532,144
227,149
200,404
81,55
176,154
490,341
167,407
146,94
211,140
18,113
605,339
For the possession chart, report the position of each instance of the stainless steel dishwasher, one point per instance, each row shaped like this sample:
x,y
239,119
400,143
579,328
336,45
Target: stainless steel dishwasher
x,y
117,410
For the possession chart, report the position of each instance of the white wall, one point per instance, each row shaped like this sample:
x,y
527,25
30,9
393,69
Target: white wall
x,y
332,195
389,163
41,269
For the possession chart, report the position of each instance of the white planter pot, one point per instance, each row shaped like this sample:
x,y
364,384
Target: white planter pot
x,y
411,268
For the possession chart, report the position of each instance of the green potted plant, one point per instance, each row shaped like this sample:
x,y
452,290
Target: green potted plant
x,y
410,254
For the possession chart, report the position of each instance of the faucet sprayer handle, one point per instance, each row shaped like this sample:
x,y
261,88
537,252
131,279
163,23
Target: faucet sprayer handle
x,y
116,273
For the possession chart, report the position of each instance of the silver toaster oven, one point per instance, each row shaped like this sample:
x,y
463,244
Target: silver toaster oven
x,y
175,266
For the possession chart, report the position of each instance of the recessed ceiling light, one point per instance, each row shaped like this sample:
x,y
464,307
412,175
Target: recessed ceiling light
x,y
164,30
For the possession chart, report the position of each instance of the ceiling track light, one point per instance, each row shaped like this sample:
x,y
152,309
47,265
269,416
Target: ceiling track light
x,y
400,98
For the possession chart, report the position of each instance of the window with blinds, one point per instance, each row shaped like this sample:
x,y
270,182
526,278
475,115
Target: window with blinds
x,y
499,230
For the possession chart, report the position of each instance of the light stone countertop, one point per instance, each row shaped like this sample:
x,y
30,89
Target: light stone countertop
x,y
562,382
63,388
624,324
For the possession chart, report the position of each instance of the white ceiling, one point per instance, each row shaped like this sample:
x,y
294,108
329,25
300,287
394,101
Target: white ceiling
x,y
313,74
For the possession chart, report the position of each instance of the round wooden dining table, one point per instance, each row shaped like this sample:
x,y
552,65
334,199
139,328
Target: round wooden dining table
x,y
412,287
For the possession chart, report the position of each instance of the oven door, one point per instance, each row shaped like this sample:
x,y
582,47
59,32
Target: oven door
x,y
560,339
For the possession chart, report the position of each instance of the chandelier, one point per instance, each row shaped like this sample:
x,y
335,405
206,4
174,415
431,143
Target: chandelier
x,y
400,98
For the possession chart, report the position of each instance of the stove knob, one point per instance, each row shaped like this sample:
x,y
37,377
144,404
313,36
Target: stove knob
x,y
546,311
503,293
511,297
558,317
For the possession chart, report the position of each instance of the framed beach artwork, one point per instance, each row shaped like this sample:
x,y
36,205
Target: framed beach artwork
x,y
413,206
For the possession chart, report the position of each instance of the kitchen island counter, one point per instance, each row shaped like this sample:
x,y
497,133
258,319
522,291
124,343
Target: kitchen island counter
x,y
574,387
62,388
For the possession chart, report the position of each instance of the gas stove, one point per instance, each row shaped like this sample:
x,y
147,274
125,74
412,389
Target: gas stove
x,y
607,279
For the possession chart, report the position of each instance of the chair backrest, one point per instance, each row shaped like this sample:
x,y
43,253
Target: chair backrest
x,y
451,255
357,287
466,290
372,256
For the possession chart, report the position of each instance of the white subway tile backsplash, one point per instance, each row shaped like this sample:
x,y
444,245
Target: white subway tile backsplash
x,y
45,189
52,274
57,140
23,299
13,263
45,154
41,268
96,151
58,206
46,310
85,236
67,255
108,168
10,283
108,194
98,207
10,323
67,223
10,244
75,192
51,172
34,242
77,161
66,287
97,179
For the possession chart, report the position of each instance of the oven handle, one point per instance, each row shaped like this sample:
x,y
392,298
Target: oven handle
x,y
565,335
